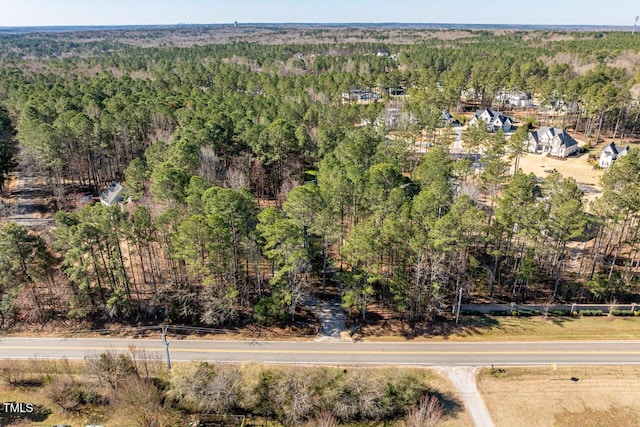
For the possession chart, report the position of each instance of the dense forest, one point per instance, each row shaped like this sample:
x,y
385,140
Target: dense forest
x,y
250,182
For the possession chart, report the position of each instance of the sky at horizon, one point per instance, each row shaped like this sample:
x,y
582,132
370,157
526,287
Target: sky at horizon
x,y
19,13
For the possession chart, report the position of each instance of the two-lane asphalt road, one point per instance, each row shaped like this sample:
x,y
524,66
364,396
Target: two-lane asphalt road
x,y
339,353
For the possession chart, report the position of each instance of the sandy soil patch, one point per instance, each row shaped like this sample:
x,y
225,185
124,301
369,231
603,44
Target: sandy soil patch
x,y
578,168
566,396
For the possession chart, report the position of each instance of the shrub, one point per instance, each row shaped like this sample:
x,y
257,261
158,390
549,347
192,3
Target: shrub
x,y
560,312
470,313
590,312
622,313
500,313
528,313
13,372
324,419
428,413
71,396
514,313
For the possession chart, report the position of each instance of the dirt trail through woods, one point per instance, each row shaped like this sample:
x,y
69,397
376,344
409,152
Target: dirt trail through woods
x,y
26,202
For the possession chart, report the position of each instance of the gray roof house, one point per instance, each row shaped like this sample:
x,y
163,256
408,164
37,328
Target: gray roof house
x,y
494,119
448,119
360,96
553,141
111,195
610,153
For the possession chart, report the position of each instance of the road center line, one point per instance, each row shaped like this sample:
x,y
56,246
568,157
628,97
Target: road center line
x,y
349,352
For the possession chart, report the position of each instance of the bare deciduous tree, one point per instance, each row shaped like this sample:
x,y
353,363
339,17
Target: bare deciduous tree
x,y
360,398
111,368
206,387
141,401
237,175
428,413
292,397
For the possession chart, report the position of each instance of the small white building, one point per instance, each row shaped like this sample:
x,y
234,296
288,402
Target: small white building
x,y
610,153
515,99
553,141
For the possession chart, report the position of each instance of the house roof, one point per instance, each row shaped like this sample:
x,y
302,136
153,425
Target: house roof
x,y
492,115
616,150
564,138
612,147
111,194
480,112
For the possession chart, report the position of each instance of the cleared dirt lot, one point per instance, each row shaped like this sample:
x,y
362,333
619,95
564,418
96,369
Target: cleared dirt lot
x,y
566,396
578,168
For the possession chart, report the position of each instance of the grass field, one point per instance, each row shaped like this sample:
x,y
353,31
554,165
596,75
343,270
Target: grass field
x,y
507,328
586,396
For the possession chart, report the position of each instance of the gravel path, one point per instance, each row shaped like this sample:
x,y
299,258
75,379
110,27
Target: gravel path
x,y
24,210
464,379
331,315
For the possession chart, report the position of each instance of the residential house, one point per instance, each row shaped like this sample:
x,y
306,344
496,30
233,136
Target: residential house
x,y
494,119
112,194
553,141
448,119
610,153
515,99
399,91
360,96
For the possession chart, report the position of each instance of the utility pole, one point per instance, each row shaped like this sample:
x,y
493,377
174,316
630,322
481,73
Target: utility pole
x,y
166,345
634,25
459,305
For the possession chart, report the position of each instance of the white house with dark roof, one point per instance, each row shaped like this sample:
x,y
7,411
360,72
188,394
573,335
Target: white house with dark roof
x,y
610,153
553,141
494,120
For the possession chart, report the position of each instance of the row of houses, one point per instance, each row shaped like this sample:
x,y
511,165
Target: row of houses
x,y
513,98
546,140
368,96
558,143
